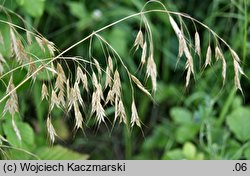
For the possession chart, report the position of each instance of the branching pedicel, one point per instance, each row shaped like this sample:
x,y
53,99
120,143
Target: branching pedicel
x,y
65,93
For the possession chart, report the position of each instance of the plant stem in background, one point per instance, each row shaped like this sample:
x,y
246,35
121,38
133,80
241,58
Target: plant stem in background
x,y
127,142
245,32
226,107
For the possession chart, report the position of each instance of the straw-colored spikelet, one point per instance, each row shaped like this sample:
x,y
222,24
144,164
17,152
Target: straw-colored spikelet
x,y
11,105
28,36
121,113
45,93
183,49
51,47
110,97
219,55
108,81
32,69
78,116
17,48
14,48
40,43
109,71
80,76
16,129
117,84
197,44
2,61
61,99
208,56
78,93
237,69
235,55
110,64
152,72
179,34
71,97
100,113
139,40
115,91
189,58
139,85
61,78
144,53
134,116
94,80
54,100
98,67
21,56
97,107
188,73
51,129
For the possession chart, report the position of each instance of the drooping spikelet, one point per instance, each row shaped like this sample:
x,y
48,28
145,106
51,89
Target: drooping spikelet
x,y
151,71
134,116
237,70
197,44
98,67
144,53
78,116
51,129
219,55
139,40
139,85
11,105
2,61
208,56
54,100
61,79
45,93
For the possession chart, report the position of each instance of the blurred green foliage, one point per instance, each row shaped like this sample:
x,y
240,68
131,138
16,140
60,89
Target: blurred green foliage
x,y
207,120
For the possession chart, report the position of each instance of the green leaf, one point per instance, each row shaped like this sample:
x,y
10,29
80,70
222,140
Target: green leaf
x,y
77,9
26,132
189,150
118,40
238,122
59,153
175,154
34,8
181,115
186,133
34,48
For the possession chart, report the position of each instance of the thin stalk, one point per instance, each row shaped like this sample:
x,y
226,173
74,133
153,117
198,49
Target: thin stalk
x,y
245,33
128,144
226,107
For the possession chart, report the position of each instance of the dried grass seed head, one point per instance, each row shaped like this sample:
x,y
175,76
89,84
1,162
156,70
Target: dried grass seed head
x,y
98,67
51,129
144,53
78,116
139,40
45,92
134,116
152,72
197,44
208,56
61,78
11,105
